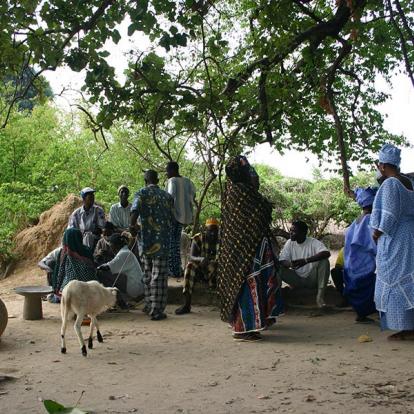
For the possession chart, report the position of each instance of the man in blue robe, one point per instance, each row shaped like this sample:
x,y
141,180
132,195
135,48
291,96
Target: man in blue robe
x,y
359,259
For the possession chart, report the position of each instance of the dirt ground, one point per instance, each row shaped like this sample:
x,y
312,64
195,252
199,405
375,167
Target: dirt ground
x,y
190,364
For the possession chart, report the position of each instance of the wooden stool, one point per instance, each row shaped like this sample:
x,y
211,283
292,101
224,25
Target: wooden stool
x,y
32,308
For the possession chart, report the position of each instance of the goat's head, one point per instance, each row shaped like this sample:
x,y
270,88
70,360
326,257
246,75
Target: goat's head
x,y
113,294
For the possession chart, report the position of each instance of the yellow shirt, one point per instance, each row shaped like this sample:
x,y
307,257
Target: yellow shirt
x,y
340,259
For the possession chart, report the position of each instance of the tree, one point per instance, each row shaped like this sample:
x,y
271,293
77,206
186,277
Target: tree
x,y
294,73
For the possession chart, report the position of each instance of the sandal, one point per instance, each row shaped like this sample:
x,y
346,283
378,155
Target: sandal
x,y
248,337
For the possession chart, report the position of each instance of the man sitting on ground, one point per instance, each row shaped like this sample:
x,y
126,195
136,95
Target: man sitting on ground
x,y
48,263
202,263
89,218
305,262
103,252
123,271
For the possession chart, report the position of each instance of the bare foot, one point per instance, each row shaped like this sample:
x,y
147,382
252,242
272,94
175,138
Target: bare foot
x,y
402,336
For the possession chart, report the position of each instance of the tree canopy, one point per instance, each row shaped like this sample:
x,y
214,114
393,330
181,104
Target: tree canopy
x,y
226,75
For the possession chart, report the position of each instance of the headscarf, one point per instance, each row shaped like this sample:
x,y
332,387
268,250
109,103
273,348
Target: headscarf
x,y
212,222
75,261
390,154
365,196
246,217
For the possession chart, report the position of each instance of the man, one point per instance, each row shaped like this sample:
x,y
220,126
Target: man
x,y
360,253
48,263
89,218
183,192
123,271
119,213
103,252
202,263
305,262
155,209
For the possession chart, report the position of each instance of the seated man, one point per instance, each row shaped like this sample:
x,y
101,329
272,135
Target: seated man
x,y
202,263
304,261
89,218
123,271
48,263
103,252
119,213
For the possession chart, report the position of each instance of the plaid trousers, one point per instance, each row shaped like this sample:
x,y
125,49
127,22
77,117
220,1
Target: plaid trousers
x,y
155,283
194,272
175,256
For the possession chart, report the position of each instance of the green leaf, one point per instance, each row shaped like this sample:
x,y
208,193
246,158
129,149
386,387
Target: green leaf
x,y
132,28
116,37
53,407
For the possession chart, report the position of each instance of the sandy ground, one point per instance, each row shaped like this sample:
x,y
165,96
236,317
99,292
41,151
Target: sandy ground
x,y
190,364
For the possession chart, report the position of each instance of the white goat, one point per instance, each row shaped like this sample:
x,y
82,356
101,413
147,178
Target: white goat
x,y
84,298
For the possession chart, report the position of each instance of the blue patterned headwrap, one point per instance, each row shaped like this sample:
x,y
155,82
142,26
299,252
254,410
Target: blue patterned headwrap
x,y
390,154
365,196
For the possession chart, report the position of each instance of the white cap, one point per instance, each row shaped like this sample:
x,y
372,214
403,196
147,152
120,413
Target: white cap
x,y
86,190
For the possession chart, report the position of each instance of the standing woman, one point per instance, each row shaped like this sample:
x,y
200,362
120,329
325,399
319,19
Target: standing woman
x,y
393,221
247,281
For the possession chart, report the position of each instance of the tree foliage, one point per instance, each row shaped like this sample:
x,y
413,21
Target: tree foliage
x,y
298,74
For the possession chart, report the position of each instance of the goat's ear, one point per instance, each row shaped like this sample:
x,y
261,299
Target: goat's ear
x,y
114,291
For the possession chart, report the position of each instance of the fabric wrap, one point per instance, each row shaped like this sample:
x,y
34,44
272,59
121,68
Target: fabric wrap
x,y
246,216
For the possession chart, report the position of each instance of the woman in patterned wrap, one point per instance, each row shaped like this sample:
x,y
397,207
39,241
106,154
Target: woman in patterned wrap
x,y
75,261
247,280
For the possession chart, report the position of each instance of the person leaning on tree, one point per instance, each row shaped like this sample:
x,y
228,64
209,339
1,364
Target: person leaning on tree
x,y
305,262
202,263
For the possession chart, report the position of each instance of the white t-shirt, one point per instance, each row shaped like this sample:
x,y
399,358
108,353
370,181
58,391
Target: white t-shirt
x,y
294,251
126,263
183,192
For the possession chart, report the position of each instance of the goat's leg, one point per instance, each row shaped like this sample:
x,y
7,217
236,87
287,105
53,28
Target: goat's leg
x,y
64,314
90,339
77,327
98,332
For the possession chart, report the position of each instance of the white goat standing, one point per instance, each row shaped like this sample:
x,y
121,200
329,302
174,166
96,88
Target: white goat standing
x,y
84,298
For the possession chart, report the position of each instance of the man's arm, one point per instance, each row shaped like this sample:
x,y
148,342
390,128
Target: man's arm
x,y
195,253
100,221
315,258
135,212
73,220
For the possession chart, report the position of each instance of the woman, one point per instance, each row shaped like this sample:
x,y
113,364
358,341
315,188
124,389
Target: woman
x,y
75,261
247,281
393,221
123,270
359,259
